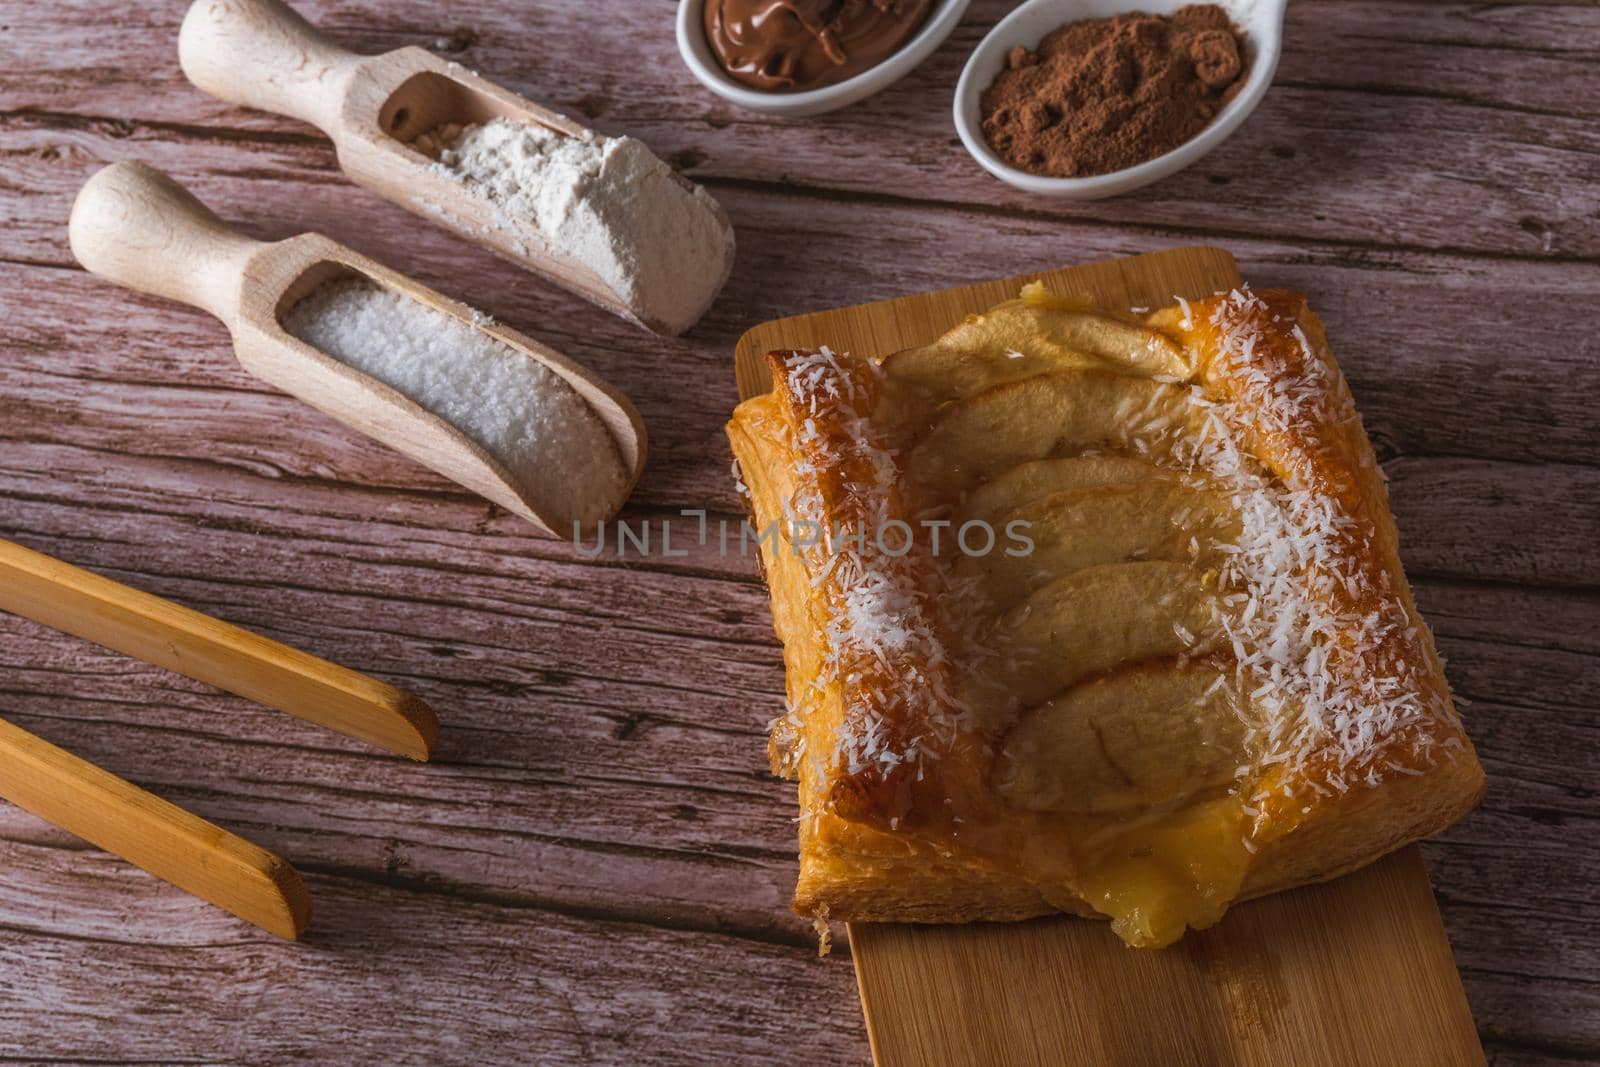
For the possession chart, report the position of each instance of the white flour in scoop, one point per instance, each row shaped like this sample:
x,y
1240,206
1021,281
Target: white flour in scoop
x,y
660,243
518,410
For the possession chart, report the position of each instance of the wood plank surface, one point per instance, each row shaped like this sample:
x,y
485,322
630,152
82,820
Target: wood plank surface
x,y
598,843
1278,981
1354,972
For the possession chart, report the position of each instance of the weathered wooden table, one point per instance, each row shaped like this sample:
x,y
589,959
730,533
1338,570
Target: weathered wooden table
x,y
597,866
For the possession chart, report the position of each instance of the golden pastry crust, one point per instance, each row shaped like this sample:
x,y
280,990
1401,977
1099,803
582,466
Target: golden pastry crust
x,y
1189,720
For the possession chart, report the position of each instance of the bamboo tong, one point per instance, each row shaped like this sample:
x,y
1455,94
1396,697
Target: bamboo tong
x,y
191,853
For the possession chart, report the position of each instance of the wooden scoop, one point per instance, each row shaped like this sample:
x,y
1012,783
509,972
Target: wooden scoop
x,y
262,54
139,228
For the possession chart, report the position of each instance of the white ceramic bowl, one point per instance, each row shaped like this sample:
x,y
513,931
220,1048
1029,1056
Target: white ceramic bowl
x,y
1260,20
697,54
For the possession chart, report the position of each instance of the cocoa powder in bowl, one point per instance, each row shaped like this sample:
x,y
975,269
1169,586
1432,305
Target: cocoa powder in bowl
x,y
1106,94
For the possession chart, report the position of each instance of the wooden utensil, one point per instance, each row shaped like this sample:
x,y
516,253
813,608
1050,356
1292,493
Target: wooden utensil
x,y
1356,971
145,830
262,54
157,631
139,228
198,857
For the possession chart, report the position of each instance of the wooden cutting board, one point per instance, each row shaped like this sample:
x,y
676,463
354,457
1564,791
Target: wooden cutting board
x,y
1355,971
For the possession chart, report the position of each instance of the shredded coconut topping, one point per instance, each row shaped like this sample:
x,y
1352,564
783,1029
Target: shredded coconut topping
x,y
880,641
1326,662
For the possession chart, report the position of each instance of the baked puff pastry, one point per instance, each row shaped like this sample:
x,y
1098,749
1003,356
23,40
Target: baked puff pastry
x,y
1093,613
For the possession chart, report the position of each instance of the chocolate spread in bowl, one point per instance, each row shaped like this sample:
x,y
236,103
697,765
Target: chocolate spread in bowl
x,y
787,46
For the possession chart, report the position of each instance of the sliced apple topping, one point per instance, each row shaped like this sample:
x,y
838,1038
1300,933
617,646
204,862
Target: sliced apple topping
x,y
1048,416
929,378
1027,482
1031,336
1101,618
1160,519
1153,736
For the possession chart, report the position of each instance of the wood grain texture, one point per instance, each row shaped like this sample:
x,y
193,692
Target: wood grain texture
x,y
598,841
1357,971
1371,982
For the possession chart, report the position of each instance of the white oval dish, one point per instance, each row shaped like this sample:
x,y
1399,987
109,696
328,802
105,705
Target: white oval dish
x,y
1261,21
703,64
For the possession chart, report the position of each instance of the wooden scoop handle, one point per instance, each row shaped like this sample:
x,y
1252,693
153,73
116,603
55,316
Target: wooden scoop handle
x,y
194,855
262,54
136,226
